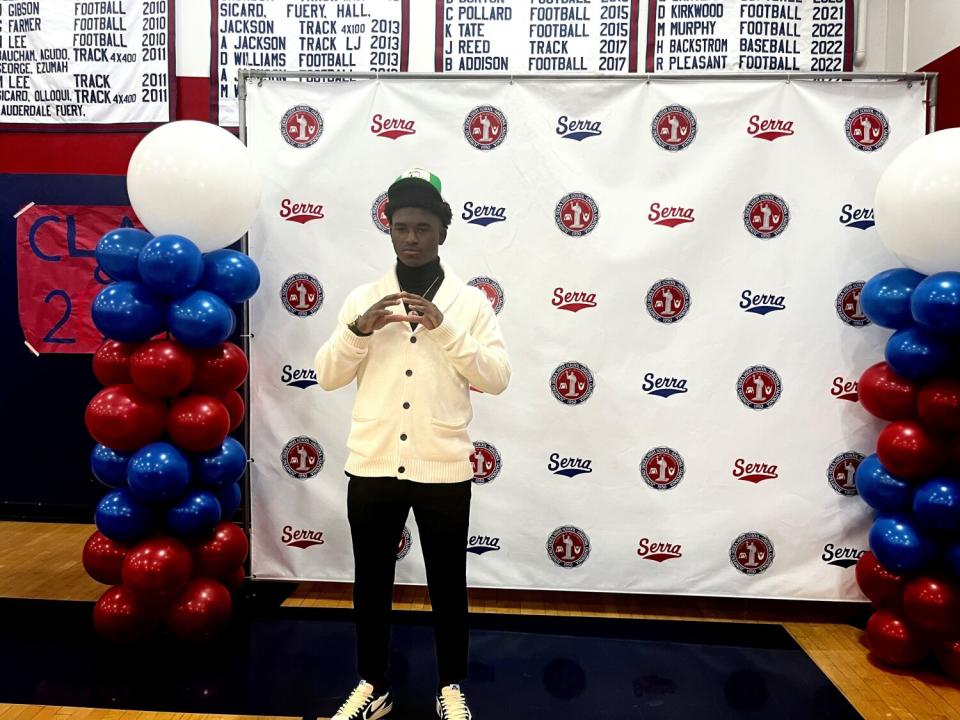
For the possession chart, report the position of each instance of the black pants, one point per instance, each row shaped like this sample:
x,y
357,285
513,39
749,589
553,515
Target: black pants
x,y
377,509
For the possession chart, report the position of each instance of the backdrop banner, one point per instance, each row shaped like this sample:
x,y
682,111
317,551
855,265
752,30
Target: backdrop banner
x,y
677,268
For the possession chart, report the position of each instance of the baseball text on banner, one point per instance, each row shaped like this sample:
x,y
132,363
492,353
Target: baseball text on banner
x,y
750,36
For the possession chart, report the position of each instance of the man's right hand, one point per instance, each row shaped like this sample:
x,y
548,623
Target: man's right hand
x,y
378,316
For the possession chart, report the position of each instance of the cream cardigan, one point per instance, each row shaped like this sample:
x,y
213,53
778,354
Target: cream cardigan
x,y
412,407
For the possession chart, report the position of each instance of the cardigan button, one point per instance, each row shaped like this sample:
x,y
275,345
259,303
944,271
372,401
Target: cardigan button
x,y
409,373
413,339
406,406
403,436
401,469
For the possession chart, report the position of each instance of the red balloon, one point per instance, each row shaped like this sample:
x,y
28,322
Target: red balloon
x,y
938,404
909,451
198,422
162,368
219,368
111,362
892,641
932,604
157,569
236,579
885,394
235,407
124,418
201,612
221,554
880,585
121,617
948,656
103,558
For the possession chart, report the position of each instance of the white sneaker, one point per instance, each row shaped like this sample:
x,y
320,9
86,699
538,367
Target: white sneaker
x,y
364,704
451,704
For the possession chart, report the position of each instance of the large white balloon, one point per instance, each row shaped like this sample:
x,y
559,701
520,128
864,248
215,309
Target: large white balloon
x,y
917,204
194,179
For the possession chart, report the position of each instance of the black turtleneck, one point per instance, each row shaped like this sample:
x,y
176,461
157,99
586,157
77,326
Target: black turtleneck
x,y
424,280
417,280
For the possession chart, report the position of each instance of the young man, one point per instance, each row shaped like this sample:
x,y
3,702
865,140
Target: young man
x,y
415,341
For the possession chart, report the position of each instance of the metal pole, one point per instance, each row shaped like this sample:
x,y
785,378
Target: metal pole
x,y
637,77
245,335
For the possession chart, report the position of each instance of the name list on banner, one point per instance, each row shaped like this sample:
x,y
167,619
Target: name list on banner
x,y
536,36
750,36
92,62
321,36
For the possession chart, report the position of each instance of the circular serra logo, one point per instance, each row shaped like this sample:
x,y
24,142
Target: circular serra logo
x,y
301,126
576,214
492,289
867,129
751,553
485,127
568,546
302,294
572,383
662,468
758,387
674,128
302,457
766,216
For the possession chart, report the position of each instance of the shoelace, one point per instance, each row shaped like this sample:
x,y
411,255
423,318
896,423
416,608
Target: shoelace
x,y
454,705
356,701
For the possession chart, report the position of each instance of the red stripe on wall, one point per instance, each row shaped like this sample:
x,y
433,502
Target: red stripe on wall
x,y
95,153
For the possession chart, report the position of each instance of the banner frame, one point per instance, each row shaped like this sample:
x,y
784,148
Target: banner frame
x,y
929,79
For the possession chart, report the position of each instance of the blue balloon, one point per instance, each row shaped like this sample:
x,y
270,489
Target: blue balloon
x,y
937,504
121,517
128,312
158,473
917,354
900,545
881,490
232,275
885,298
200,319
117,252
229,497
935,303
109,466
220,467
952,557
171,265
195,514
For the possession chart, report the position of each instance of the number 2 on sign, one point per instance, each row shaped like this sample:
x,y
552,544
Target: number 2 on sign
x,y
50,337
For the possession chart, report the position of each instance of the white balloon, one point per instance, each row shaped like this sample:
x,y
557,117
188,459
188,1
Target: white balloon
x,y
194,179
917,204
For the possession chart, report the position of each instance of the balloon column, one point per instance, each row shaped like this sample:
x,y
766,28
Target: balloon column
x,y
162,422
912,482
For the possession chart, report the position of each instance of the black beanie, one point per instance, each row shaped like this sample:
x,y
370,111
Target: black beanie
x,y
417,193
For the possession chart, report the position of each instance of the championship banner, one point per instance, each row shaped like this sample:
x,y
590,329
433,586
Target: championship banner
x,y
677,270
68,65
57,272
313,35
531,36
750,36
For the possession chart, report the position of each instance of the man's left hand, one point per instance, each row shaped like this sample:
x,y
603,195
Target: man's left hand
x,y
427,314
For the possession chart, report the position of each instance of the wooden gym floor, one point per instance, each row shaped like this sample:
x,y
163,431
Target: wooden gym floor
x,y
42,561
